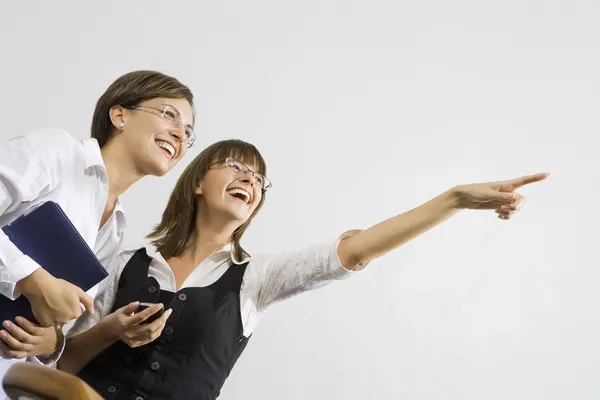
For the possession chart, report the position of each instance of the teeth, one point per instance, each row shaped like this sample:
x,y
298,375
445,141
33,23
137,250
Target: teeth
x,y
167,147
240,191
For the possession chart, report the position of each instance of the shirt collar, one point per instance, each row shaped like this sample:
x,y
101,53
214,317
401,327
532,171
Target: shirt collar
x,y
228,248
91,153
120,214
93,158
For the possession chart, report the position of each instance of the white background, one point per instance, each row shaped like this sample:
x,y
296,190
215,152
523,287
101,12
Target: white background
x,y
363,110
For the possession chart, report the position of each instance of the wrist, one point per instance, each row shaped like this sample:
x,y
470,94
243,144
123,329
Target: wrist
x,y
455,197
31,285
105,331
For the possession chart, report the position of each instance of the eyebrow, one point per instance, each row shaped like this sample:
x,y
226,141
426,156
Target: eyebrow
x,y
255,170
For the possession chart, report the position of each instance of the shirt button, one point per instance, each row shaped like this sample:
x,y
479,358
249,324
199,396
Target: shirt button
x,y
155,366
152,289
112,389
129,359
168,330
182,296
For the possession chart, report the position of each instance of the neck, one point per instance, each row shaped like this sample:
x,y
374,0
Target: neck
x,y
122,173
212,233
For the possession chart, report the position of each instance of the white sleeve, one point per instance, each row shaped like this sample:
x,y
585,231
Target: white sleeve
x,y
105,299
31,166
51,359
103,303
271,278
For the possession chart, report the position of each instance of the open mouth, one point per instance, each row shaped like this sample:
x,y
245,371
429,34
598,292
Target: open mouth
x,y
167,148
240,194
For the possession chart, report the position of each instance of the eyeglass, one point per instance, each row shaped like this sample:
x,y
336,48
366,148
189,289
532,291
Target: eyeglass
x,y
171,114
240,167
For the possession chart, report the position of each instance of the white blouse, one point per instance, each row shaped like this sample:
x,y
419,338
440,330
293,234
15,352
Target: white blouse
x,y
267,280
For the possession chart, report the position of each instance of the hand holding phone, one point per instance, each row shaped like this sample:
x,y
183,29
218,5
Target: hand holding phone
x,y
133,325
153,317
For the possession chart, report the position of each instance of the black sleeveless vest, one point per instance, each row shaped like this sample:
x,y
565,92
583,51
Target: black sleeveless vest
x,y
202,340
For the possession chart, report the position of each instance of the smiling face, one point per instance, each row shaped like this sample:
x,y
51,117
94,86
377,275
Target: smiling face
x,y
231,189
220,187
157,144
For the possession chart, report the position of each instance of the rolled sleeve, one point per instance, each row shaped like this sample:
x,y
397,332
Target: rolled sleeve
x,y
351,268
52,359
105,298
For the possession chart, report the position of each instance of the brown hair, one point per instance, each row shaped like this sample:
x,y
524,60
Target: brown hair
x,y
176,230
130,90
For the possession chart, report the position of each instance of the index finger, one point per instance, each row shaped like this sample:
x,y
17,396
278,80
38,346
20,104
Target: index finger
x,y
140,317
525,180
142,332
154,325
87,301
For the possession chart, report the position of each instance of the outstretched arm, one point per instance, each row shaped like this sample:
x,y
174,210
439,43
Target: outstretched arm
x,y
394,232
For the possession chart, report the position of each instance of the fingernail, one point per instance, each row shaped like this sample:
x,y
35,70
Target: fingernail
x,y
19,320
6,324
169,311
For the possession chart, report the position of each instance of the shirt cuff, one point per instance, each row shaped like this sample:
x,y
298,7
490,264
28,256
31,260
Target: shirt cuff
x,y
349,268
52,359
21,268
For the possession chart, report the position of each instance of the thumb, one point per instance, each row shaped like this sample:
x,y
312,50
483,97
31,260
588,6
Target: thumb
x,y
87,301
129,308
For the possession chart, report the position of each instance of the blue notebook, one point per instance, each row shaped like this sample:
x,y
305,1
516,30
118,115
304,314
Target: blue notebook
x,y
47,236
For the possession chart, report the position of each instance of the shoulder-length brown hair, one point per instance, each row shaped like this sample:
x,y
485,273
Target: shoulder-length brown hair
x,y
176,230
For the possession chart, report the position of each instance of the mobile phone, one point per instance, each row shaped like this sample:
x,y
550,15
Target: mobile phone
x,y
153,317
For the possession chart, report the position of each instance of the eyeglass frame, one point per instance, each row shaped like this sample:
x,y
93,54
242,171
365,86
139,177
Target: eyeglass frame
x,y
162,109
268,183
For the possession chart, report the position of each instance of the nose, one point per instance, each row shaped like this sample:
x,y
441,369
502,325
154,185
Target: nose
x,y
179,134
248,177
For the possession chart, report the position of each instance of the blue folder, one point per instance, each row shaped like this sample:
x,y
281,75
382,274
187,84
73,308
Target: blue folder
x,y
47,236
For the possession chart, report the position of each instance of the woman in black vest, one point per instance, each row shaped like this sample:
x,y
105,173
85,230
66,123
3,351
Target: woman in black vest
x,y
213,290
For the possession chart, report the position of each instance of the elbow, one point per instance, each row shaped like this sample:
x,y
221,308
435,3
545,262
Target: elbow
x,y
354,263
350,256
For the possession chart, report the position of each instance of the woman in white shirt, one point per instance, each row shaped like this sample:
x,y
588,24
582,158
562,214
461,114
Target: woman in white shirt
x,y
142,125
213,290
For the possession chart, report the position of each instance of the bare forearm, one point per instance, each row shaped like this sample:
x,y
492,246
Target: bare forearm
x,y
83,348
394,232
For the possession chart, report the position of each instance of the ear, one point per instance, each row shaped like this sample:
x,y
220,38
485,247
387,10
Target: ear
x,y
198,189
117,116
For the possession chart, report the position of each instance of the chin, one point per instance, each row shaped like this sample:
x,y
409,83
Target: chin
x,y
240,216
158,169
163,172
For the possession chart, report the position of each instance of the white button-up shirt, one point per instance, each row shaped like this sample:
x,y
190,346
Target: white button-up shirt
x,y
267,280
51,165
